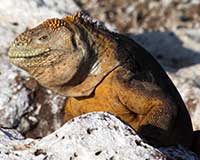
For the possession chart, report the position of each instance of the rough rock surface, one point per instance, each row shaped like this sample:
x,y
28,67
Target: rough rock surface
x,y
143,15
75,140
22,102
91,136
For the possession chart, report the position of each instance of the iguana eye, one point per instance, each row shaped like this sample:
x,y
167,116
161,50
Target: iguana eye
x,y
43,38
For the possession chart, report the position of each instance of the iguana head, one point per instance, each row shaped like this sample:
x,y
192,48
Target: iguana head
x,y
65,55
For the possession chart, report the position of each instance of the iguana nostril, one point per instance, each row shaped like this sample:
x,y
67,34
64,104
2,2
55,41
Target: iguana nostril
x,y
22,40
18,44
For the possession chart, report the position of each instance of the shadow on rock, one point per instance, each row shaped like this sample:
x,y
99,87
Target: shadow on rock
x,y
196,142
168,49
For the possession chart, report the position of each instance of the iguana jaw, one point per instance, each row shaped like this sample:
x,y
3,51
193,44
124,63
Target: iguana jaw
x,y
27,58
26,53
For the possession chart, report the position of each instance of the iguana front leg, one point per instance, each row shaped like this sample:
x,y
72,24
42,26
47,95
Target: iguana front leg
x,y
155,113
67,116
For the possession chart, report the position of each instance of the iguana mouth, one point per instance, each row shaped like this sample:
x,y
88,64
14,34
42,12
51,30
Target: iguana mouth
x,y
26,53
35,58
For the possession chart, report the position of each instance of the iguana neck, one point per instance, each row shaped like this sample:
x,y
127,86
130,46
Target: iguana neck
x,y
101,68
100,60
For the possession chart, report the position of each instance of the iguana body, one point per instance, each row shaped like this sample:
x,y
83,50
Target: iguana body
x,y
103,71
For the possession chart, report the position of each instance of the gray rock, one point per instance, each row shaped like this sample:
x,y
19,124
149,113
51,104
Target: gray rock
x,y
170,49
178,152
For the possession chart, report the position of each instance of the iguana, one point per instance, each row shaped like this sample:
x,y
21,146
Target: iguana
x,y
100,70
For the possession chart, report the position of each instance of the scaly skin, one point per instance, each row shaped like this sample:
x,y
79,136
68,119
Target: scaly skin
x,y
103,71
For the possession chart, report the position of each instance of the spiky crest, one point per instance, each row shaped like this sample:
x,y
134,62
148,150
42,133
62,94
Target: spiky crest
x,y
86,21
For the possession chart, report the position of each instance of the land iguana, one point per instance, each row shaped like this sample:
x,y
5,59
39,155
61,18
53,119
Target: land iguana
x,y
100,70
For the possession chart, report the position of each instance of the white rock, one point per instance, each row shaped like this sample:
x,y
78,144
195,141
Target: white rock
x,y
14,100
92,136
